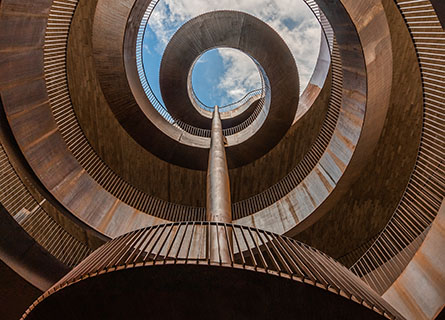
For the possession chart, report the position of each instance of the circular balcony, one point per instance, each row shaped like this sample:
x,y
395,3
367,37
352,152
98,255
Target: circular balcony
x,y
205,269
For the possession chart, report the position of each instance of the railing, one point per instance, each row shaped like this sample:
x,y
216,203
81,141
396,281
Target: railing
x,y
246,123
29,213
140,65
384,261
200,132
249,248
325,25
232,106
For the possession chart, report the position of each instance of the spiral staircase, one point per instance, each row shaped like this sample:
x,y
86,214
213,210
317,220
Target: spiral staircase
x,y
321,204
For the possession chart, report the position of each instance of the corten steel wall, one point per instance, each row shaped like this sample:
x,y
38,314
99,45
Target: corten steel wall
x,y
21,86
115,184
312,198
61,173
34,219
259,202
419,292
391,252
429,59
82,153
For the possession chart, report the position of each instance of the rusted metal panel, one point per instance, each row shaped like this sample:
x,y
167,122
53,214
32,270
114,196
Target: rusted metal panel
x,y
419,292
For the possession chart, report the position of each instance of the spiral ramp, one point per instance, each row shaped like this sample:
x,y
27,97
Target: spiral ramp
x,y
326,203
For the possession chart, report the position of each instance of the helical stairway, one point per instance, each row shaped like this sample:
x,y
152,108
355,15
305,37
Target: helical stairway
x,y
322,204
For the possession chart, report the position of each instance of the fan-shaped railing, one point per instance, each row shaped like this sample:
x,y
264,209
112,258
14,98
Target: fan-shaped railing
x,y
29,213
389,255
253,249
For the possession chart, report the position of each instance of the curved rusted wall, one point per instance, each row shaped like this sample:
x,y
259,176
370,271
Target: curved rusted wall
x,y
144,172
369,148
419,292
37,133
373,198
124,93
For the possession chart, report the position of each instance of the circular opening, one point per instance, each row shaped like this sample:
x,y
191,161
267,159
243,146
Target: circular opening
x,y
225,77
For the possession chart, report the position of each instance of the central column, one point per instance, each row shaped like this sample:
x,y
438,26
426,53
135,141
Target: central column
x,y
219,208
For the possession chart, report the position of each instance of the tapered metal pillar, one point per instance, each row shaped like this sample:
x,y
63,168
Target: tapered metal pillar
x,y
218,186
219,208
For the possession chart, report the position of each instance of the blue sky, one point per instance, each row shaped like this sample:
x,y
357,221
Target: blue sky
x,y
206,78
225,75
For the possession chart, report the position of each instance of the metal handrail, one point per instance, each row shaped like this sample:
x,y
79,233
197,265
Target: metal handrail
x,y
249,248
228,131
233,105
246,123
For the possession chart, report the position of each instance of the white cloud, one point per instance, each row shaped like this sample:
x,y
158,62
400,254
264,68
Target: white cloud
x,y
241,74
146,48
292,19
